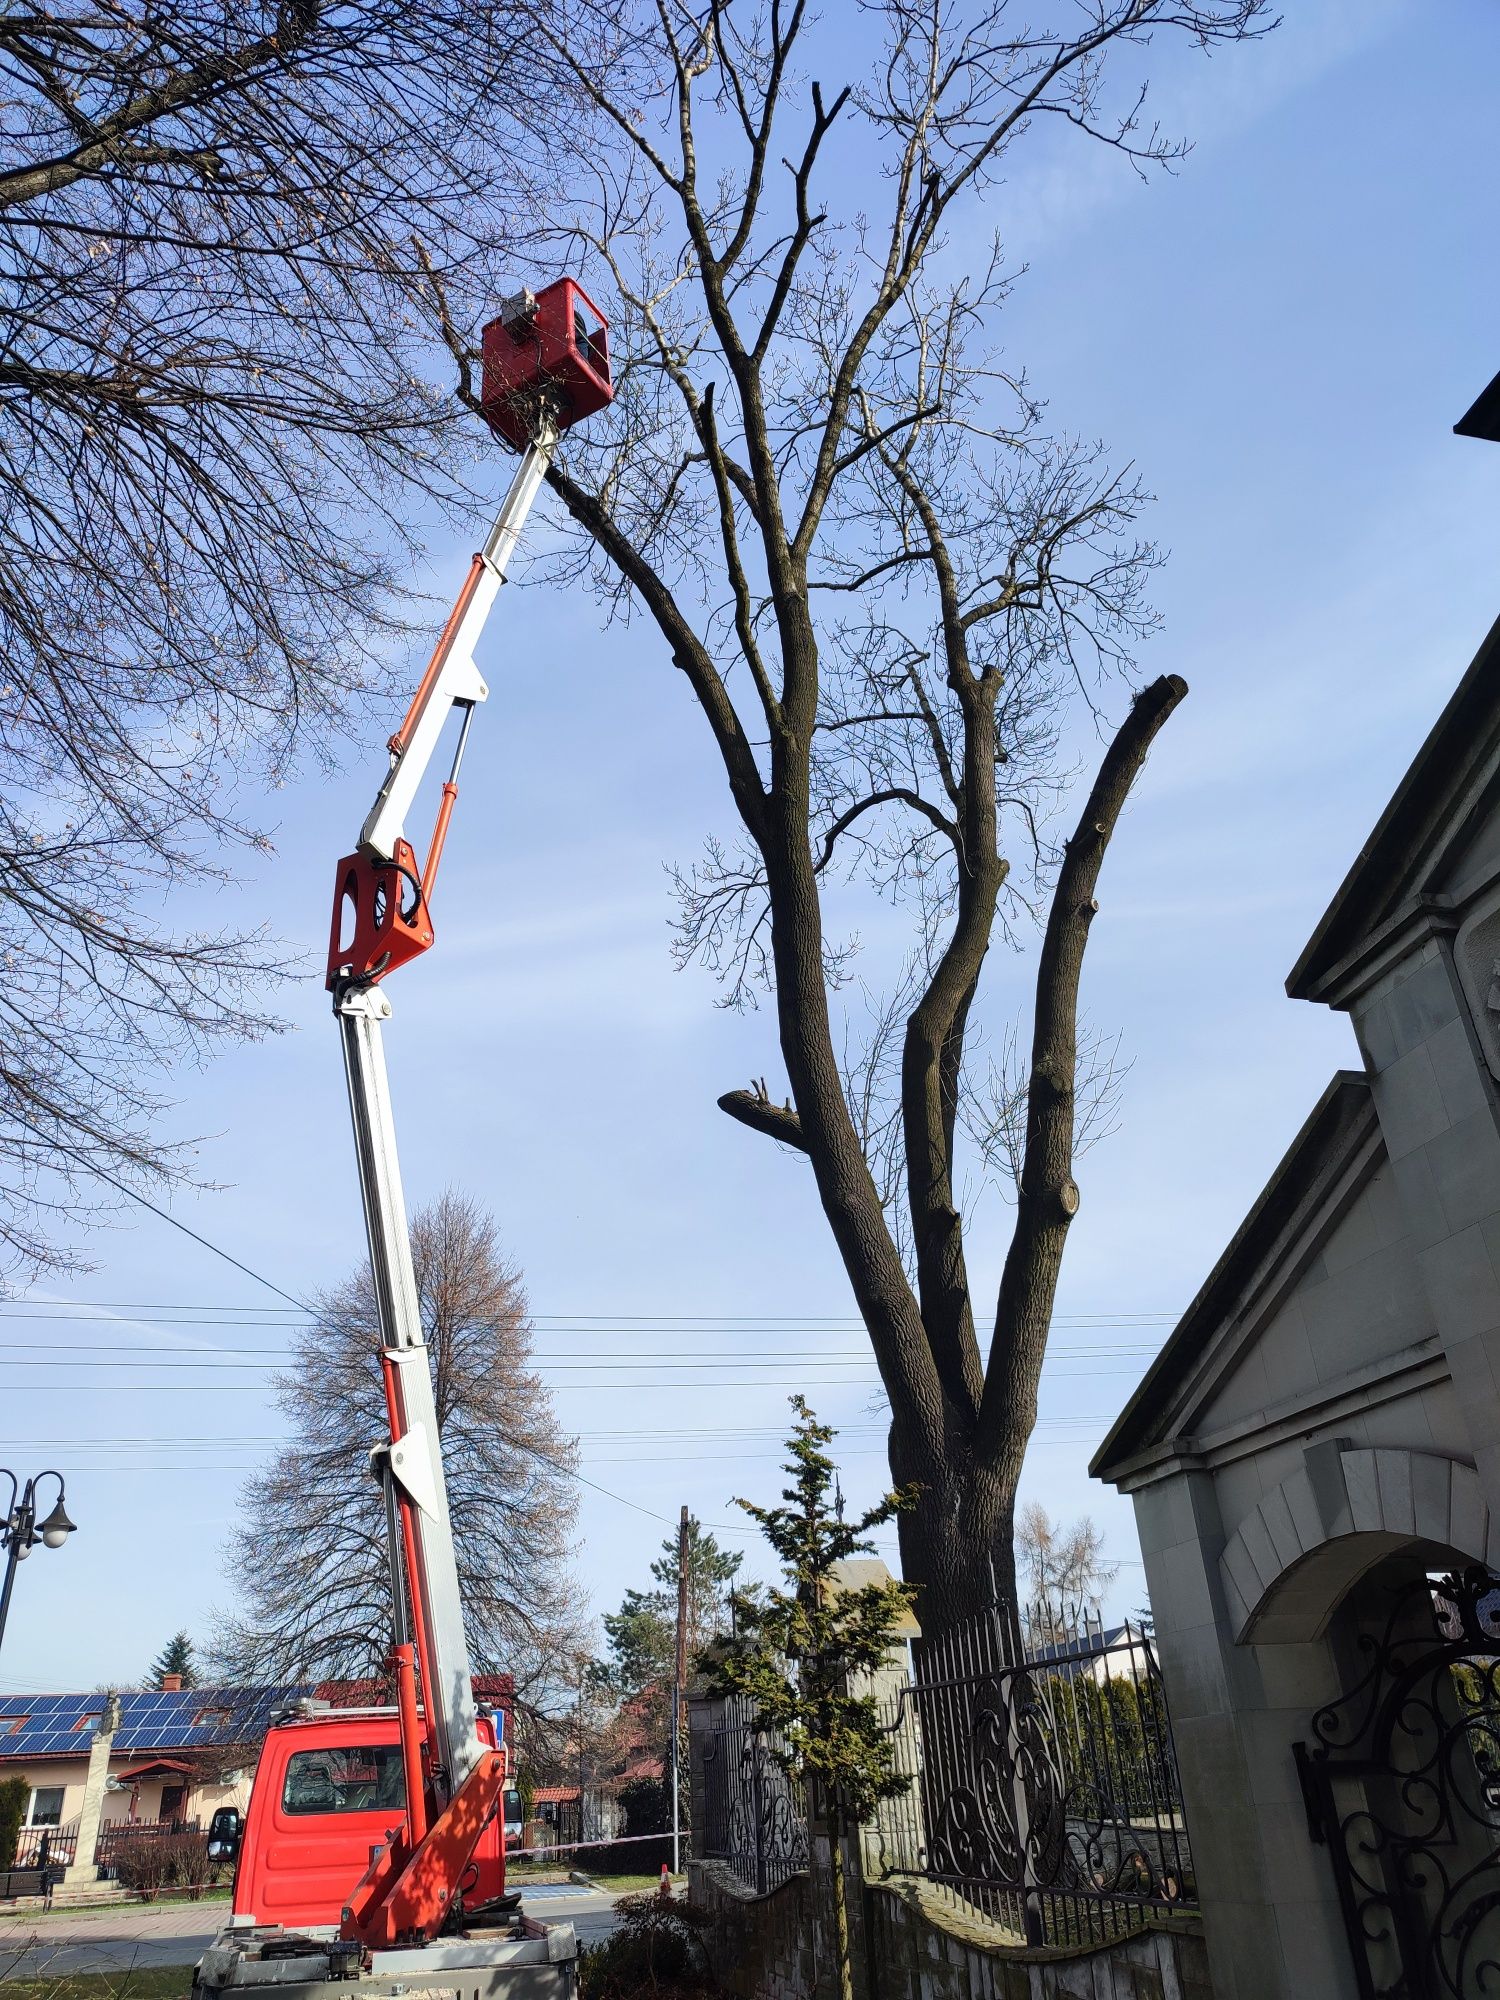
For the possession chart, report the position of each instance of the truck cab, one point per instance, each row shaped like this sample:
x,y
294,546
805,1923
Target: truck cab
x,y
328,1789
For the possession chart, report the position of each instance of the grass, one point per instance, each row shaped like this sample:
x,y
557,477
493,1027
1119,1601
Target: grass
x,y
141,1982
631,1885
208,1897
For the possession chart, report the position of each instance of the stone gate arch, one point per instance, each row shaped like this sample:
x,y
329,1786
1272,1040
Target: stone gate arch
x,y
1304,1546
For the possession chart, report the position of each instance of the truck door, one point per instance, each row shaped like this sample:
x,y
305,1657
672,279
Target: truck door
x,y
316,1811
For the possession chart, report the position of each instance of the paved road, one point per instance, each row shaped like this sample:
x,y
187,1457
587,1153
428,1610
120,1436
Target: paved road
x,y
127,1935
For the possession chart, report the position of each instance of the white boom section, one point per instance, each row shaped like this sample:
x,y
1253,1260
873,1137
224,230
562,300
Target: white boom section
x,y
453,676
416,1458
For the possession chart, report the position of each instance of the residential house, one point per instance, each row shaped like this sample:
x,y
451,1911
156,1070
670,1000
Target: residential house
x,y
177,1755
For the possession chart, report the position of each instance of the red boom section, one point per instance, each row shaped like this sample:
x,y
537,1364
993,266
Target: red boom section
x,y
407,1892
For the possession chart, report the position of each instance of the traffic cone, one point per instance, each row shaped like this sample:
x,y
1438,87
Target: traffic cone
x,y
666,1880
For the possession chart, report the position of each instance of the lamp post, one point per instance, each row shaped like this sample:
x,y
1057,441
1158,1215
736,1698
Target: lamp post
x,y
20,1530
1482,418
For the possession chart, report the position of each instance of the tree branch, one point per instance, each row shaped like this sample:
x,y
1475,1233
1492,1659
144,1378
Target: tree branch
x,y
754,1108
105,147
1048,1195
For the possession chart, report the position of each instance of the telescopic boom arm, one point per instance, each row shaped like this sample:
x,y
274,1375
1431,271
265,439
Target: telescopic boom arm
x,y
546,364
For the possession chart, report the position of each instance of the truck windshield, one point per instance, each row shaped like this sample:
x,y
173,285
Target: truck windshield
x,y
357,1779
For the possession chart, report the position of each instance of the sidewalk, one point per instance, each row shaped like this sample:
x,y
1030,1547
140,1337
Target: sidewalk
x,y
40,1944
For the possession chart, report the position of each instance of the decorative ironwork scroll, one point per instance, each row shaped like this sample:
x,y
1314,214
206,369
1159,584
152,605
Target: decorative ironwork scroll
x,y
1049,1788
1402,1785
754,1817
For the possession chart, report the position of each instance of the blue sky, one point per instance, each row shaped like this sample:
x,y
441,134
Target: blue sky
x,y
1280,337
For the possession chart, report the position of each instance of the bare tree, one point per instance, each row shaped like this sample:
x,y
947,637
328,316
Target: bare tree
x,y
310,1559
1063,1568
223,229
894,593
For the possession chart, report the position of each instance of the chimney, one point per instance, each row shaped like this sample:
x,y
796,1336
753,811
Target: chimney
x,y
171,1683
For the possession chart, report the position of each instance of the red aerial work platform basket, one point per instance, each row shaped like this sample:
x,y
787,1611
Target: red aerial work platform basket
x,y
550,350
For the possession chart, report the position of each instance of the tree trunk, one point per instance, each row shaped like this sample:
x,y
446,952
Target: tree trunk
x,y
840,1909
957,1547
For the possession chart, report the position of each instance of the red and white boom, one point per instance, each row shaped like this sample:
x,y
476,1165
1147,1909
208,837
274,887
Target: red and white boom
x,y
545,365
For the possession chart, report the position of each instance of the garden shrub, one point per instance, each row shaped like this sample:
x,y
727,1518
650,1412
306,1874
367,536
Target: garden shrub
x,y
656,1947
14,1795
155,1861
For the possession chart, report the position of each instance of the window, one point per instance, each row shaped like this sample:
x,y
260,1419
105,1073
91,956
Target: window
x,y
359,1779
17,1723
46,1806
212,1718
85,1722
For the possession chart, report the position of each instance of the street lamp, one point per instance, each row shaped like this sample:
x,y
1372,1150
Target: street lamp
x,y
20,1530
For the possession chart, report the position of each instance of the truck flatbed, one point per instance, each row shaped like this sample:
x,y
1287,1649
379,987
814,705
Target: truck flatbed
x,y
526,1961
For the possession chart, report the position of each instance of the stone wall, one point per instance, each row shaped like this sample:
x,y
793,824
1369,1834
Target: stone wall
x,y
922,1951
921,1944
761,1947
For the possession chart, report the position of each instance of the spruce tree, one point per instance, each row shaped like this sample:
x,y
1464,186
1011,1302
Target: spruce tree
x,y
176,1657
799,1646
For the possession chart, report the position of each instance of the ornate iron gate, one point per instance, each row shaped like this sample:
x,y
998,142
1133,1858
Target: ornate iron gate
x,y
1402,1785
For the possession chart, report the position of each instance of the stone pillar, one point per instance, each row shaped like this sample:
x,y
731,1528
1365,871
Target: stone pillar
x,y
1440,1118
81,1877
1271,1918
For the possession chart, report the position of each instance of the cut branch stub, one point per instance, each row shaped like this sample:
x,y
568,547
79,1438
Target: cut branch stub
x,y
754,1108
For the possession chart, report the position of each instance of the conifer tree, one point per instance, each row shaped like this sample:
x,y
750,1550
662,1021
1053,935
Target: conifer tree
x,y
176,1657
800,1645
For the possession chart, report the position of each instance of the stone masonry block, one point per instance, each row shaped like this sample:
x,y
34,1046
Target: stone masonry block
x,y
1324,1465
1181,1574
1462,1285
1393,1472
1375,1026
1238,1569
1255,1537
1422,1004
1422,1211
1457,1068
1163,1515
1409,1103
1302,1505
1430,1496
1468,1517
1363,1483
1465,1163
1276,1512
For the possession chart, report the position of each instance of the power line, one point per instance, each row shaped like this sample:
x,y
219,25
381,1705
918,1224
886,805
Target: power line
x,y
546,1323
166,1215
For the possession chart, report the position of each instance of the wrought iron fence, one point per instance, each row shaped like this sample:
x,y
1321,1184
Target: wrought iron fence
x,y
754,1817
47,1846
122,1832
1043,1785
57,1846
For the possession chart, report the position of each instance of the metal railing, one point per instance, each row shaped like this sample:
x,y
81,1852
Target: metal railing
x,y
47,1846
1043,1784
754,1817
122,1832
57,1846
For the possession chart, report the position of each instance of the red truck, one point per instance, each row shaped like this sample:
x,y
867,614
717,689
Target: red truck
x,y
328,1788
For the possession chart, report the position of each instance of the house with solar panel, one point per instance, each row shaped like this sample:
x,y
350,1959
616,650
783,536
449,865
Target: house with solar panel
x,y
178,1754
